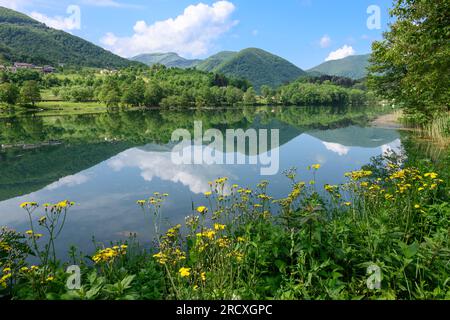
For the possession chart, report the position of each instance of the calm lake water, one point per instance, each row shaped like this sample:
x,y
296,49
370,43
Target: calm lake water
x,y
106,162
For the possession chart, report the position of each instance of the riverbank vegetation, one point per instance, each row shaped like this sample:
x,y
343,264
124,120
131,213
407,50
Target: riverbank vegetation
x,y
381,235
410,65
163,87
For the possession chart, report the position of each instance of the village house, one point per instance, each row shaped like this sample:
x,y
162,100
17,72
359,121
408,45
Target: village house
x,y
21,65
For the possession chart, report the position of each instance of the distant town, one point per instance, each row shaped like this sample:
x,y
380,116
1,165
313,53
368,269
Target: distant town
x,y
21,65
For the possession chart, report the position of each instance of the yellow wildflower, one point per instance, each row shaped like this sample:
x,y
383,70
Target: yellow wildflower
x,y
202,209
219,227
431,175
185,272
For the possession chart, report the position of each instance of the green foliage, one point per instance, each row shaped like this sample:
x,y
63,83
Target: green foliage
x,y
410,65
300,93
354,67
9,93
26,40
30,93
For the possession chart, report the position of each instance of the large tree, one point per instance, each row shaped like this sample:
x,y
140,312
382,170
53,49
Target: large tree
x,y
411,65
9,93
30,93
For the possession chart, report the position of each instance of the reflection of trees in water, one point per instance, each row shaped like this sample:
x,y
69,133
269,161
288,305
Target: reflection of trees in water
x,y
157,125
91,139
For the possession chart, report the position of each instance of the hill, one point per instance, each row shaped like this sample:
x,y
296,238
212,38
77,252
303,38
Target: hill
x,y
214,61
27,40
256,65
354,67
171,60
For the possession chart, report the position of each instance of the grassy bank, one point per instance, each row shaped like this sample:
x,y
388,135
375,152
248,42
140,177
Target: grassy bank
x,y
388,222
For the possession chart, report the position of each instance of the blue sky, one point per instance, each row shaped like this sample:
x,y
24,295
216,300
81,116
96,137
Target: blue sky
x,y
306,32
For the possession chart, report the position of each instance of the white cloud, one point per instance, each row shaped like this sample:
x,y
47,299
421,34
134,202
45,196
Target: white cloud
x,y
71,22
69,181
341,53
191,33
394,146
159,165
325,41
13,4
337,148
255,32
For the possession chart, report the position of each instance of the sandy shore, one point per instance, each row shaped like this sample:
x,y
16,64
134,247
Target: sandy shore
x,y
389,121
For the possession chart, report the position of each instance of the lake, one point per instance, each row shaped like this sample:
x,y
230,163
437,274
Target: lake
x,y
108,161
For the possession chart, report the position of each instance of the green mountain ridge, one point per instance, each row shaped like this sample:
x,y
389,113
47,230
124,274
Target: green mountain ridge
x,y
354,67
216,60
258,66
27,40
171,60
255,65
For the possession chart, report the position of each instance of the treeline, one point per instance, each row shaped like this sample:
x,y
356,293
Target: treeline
x,y
301,93
159,86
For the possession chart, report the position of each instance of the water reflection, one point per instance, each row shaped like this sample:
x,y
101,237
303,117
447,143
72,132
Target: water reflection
x,y
107,162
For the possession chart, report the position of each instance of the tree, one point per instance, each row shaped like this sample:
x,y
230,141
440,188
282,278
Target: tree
x,y
266,91
9,93
250,97
411,64
153,94
30,93
109,93
134,94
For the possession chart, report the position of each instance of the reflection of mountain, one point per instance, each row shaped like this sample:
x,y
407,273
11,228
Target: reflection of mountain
x,y
25,171
355,136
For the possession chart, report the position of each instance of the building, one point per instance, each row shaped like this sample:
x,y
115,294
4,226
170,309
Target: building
x,y
48,69
29,66
21,65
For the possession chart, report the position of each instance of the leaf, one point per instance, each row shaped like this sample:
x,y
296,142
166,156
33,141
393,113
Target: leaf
x,y
126,282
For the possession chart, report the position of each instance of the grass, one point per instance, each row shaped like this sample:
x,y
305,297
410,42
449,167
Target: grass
x,y
384,234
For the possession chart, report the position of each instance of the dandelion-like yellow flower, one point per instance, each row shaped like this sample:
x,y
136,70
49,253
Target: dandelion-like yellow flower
x,y
219,227
316,166
28,204
203,276
185,272
202,209
431,175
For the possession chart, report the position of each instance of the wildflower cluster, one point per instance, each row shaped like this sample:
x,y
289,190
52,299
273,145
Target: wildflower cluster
x,y
109,255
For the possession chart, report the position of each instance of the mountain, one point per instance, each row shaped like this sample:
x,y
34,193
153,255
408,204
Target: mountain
x,y
171,60
354,67
214,61
27,40
256,65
